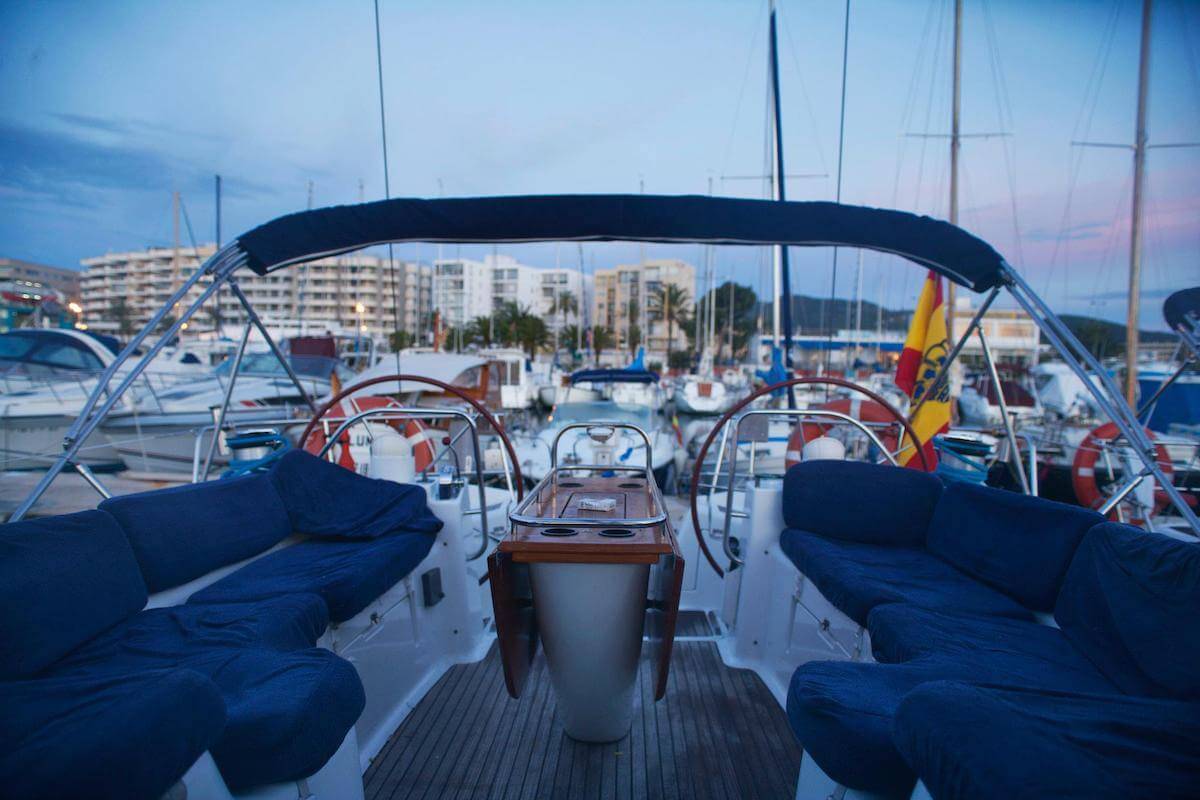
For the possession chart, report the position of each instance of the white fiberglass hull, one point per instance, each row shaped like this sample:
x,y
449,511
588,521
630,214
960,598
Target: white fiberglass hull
x,y
165,444
34,442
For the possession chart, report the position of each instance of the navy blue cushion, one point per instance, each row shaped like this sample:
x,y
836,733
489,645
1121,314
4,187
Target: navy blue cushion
x,y
347,574
1021,545
984,744
842,712
858,577
125,737
288,714
63,580
289,705
1129,604
323,499
860,502
181,533
1026,653
188,634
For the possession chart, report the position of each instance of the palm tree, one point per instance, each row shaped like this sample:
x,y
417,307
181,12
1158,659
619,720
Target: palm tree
x,y
602,339
564,303
670,303
479,331
531,332
122,315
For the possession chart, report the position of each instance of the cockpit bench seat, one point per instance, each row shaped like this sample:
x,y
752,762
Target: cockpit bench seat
x,y
973,743
115,737
858,577
1125,635
347,574
869,535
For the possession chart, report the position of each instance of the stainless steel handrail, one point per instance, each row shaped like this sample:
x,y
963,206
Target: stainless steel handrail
x,y
520,515
799,413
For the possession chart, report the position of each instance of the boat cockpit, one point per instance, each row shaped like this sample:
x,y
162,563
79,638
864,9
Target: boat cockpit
x,y
404,616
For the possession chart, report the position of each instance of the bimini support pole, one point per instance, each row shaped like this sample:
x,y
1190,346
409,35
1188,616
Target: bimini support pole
x,y
220,265
262,329
233,376
1014,452
1106,395
944,372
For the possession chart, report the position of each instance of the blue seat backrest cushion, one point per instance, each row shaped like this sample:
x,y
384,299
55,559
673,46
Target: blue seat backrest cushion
x,y
860,502
1129,603
181,533
1018,544
326,500
63,581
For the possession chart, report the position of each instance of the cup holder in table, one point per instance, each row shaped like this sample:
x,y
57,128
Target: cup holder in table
x,y
569,484
558,532
617,533
632,485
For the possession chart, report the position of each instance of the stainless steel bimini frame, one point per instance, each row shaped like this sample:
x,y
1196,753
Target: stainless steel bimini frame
x,y
301,237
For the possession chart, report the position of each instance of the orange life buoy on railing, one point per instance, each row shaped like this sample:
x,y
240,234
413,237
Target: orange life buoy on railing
x,y
411,429
1083,469
861,409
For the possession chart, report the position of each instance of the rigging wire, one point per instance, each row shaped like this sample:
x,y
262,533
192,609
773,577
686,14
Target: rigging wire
x,y
737,109
387,187
838,191
1081,130
1004,120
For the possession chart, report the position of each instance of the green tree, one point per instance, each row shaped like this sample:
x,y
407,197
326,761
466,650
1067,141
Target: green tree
x,y
745,312
398,340
670,303
602,339
121,314
564,303
530,332
479,331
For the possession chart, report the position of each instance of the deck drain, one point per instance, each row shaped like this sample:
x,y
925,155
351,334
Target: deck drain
x,y
559,531
631,485
617,533
570,484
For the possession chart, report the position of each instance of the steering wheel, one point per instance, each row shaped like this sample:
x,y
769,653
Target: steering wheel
x,y
446,387
774,387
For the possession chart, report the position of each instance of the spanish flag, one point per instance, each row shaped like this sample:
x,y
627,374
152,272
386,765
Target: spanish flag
x,y
925,351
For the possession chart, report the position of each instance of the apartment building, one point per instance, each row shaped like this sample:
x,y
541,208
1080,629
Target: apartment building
x,y
121,291
462,290
623,300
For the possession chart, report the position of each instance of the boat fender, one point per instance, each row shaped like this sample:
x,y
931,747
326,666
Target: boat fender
x,y
824,448
860,409
391,456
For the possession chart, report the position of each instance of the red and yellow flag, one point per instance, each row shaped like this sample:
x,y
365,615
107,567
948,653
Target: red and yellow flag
x,y
924,356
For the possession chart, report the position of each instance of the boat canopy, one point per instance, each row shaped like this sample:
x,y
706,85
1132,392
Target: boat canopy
x,y
1179,305
445,367
306,235
624,375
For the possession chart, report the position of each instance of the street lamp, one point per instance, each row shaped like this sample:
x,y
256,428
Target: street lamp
x,y
77,310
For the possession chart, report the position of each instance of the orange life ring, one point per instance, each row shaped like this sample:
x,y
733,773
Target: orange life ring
x,y
417,434
1083,469
859,408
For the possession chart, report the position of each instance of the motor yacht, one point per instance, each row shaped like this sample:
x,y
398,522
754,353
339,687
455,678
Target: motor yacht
x,y
46,375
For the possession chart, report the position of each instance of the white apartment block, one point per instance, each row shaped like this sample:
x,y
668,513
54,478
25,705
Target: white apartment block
x,y
620,287
462,290
339,293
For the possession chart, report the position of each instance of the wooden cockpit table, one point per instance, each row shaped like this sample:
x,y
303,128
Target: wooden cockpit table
x,y
587,582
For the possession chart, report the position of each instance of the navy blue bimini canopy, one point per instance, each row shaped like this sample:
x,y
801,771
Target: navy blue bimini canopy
x,y
949,250
625,375
1178,306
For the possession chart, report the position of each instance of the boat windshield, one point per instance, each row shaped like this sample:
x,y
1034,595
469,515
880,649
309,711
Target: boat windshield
x,y
603,411
267,364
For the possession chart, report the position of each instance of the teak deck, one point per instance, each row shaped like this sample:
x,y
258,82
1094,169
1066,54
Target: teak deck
x,y
719,733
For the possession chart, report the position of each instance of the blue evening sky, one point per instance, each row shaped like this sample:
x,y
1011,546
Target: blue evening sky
x,y
105,108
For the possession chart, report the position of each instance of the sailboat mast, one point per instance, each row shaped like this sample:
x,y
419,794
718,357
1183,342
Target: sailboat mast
x,y
1135,230
955,143
783,287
